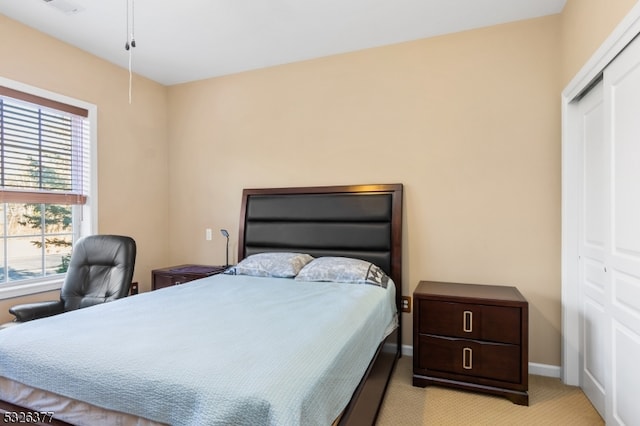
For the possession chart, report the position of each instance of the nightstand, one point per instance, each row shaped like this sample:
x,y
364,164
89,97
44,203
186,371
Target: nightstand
x,y
473,337
174,275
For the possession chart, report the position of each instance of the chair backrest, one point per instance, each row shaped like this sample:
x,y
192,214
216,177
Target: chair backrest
x,y
100,270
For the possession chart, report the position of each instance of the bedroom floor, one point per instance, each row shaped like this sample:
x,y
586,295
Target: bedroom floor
x,y
550,402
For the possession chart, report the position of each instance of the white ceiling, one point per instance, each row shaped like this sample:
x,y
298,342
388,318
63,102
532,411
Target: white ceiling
x,y
186,40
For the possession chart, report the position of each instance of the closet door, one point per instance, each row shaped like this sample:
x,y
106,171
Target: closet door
x,y
609,240
622,257
593,288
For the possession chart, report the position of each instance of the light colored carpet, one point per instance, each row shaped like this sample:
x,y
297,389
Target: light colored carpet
x,y
550,403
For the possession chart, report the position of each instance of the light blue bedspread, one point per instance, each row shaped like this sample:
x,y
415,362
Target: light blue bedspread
x,y
224,350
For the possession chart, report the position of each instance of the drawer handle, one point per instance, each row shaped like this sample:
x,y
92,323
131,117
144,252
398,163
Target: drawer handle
x,y
467,321
467,358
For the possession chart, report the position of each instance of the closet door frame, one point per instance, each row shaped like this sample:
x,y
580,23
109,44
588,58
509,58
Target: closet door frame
x,y
571,122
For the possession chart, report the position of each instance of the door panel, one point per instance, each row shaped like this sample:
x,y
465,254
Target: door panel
x,y
594,328
594,335
624,91
625,409
594,190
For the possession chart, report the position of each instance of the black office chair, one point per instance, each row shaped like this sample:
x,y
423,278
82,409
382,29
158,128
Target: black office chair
x,y
100,270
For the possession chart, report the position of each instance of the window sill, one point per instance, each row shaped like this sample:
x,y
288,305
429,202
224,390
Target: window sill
x,y
31,288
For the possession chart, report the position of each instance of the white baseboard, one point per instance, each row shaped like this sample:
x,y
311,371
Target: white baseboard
x,y
407,350
534,368
544,370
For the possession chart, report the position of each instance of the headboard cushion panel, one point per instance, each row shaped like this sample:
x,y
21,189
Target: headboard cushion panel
x,y
323,207
339,235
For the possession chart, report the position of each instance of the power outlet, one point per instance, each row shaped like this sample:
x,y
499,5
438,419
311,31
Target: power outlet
x,y
406,304
207,234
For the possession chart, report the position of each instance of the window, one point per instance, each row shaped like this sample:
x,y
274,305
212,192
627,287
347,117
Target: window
x,y
45,185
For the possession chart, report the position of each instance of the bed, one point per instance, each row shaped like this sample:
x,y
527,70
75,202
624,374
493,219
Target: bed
x,y
319,351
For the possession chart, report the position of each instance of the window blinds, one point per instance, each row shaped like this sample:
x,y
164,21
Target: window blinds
x,y
44,150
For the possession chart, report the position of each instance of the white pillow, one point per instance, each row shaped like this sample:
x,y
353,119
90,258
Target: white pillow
x,y
344,270
271,264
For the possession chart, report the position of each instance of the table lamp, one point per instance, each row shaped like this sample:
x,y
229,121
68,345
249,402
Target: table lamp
x,y
226,235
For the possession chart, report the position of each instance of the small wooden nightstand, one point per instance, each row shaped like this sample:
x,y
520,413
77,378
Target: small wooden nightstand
x,y
174,275
473,337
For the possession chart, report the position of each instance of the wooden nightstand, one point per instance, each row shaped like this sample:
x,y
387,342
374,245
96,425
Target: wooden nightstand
x,y
174,275
473,337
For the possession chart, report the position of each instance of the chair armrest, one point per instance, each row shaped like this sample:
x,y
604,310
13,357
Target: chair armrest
x,y
31,311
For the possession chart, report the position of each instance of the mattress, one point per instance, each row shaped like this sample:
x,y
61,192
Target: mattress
x,y
47,404
220,350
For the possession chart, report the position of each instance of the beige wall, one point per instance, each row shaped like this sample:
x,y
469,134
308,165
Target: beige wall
x,y
469,122
585,26
132,139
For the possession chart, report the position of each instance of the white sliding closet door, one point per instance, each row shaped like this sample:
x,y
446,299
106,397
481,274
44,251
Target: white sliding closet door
x,y
622,123
594,329
609,240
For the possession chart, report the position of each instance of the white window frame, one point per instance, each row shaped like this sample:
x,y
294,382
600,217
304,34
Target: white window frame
x,y
88,213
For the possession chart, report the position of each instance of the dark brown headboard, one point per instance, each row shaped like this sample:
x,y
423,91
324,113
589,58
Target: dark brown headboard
x,y
360,221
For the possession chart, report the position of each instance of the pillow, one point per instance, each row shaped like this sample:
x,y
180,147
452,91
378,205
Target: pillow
x,y
344,270
272,264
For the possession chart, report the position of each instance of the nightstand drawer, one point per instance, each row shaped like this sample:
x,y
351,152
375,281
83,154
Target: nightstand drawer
x,y
471,321
492,361
162,281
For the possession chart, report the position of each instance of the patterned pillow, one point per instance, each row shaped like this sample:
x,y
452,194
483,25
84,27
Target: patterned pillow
x,y
272,264
344,270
